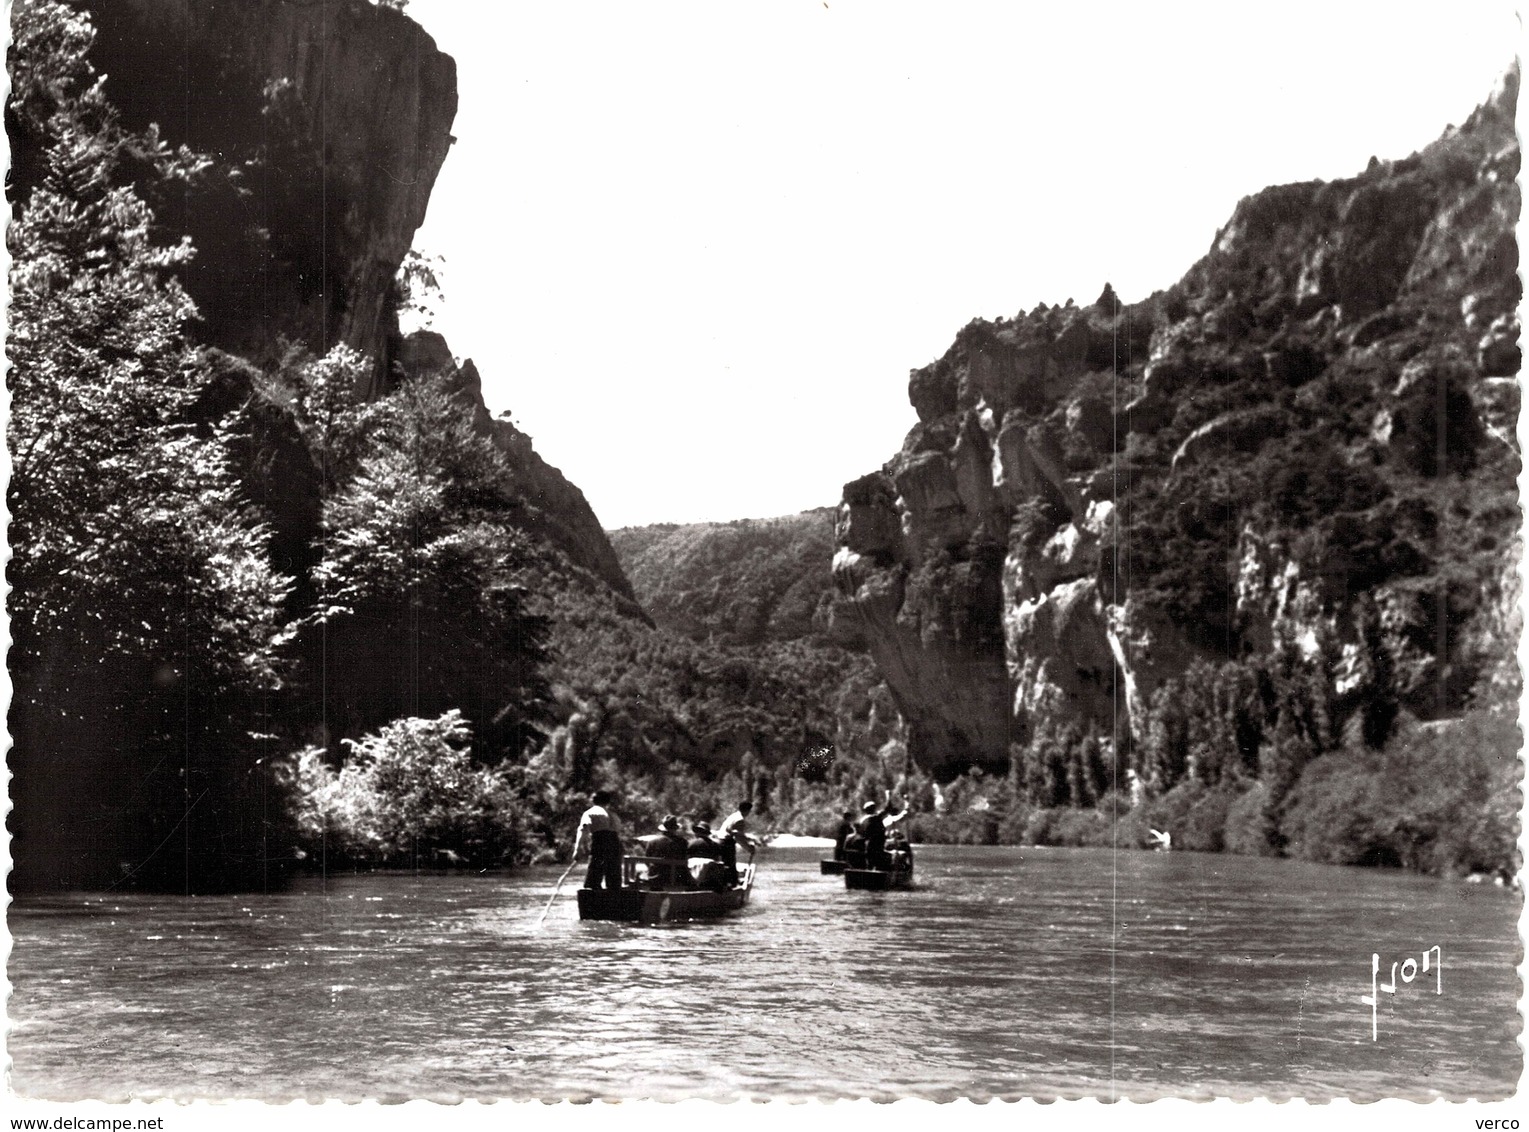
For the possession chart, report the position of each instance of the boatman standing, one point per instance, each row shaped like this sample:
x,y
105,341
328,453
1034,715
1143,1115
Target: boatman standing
x,y
734,830
602,829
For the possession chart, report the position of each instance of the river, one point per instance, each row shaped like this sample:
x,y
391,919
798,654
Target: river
x,y
1004,973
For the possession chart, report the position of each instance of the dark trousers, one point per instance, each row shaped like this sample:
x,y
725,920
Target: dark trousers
x,y
730,859
604,860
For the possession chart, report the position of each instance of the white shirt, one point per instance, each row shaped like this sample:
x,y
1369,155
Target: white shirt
x,y
598,818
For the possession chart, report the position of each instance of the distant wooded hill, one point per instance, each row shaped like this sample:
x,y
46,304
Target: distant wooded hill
x,y
744,582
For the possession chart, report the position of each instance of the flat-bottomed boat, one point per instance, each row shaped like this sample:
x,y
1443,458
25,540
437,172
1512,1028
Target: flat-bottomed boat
x,y
639,901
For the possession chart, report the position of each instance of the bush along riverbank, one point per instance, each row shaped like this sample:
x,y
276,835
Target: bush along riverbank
x,y
1440,798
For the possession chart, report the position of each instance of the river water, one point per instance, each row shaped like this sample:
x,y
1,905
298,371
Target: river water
x,y
1004,973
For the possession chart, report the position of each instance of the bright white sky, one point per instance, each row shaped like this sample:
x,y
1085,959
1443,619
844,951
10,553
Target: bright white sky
x,y
695,248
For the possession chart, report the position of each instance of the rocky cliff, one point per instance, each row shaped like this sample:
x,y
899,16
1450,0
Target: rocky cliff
x,y
1315,425
322,127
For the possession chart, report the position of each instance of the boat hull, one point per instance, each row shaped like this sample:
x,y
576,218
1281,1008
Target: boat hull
x,y
639,905
831,868
877,880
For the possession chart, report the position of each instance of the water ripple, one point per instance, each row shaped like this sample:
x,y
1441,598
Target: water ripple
x,y
1005,973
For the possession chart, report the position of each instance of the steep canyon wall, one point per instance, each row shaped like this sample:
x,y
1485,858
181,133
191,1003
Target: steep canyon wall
x,y
1319,417
323,127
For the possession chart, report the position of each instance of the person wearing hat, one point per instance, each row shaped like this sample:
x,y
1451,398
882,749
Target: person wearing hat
x,y
706,858
600,827
702,844
873,831
670,847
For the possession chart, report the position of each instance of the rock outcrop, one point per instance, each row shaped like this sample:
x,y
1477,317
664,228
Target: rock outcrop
x,y
1321,413
324,126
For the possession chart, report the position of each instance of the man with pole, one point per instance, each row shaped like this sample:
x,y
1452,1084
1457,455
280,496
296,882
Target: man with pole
x,y
735,829
603,831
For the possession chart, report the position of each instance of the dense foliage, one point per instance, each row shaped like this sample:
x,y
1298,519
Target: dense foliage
x,y
179,619
409,794
145,615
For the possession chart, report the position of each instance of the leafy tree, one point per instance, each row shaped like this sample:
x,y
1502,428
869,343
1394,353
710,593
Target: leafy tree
x,y
422,605
327,407
1048,762
1281,760
1165,747
1379,704
145,616
1095,758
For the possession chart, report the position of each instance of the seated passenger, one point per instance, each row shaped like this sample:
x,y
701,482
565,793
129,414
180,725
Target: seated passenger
x,y
706,858
669,845
842,833
702,844
854,851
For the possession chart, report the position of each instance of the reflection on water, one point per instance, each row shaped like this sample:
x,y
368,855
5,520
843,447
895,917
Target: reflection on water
x,y
1035,972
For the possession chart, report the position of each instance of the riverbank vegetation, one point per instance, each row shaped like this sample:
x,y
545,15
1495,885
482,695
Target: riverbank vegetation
x,y
1441,798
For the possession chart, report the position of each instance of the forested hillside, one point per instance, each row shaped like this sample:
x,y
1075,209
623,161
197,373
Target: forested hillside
x,y
743,582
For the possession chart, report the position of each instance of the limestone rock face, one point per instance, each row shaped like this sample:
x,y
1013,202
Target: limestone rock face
x,y
1061,659
326,125
868,518
1094,498
932,632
